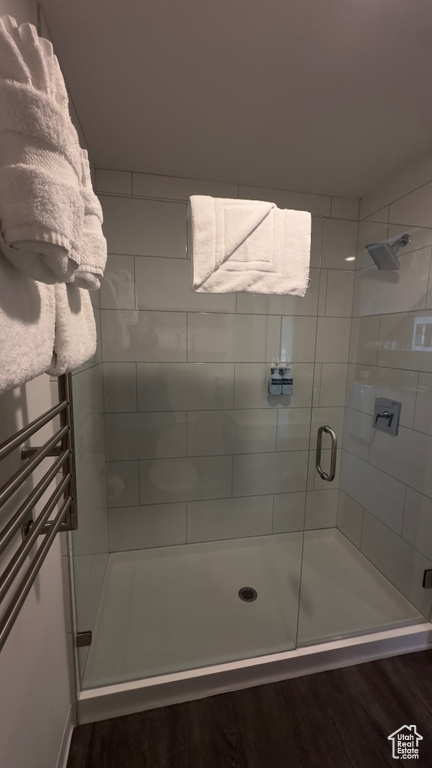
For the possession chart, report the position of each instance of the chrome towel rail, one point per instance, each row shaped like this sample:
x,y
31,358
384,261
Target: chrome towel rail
x,y
20,437
324,475
22,514
17,561
14,607
17,480
59,447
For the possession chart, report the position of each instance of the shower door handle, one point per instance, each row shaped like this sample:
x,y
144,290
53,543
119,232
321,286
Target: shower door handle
x,y
324,475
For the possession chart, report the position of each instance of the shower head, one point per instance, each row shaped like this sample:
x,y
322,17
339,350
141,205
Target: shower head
x,y
384,254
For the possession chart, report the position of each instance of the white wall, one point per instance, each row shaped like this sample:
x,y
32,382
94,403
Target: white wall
x,y
35,686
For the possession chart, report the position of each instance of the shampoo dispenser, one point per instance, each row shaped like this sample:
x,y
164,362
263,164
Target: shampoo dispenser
x,y
281,380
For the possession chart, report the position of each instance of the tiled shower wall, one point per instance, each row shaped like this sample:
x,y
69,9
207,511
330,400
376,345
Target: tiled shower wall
x,y
385,504
196,448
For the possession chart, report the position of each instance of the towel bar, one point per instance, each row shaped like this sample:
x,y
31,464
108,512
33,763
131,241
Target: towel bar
x,y
8,619
61,448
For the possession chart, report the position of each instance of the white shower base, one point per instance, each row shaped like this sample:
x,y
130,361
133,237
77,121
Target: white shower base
x,y
166,610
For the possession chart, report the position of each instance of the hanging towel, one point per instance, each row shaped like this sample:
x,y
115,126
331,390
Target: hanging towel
x,y
75,329
27,313
41,203
92,246
249,245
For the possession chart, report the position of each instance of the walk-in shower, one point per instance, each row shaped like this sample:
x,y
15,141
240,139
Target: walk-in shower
x,y
195,482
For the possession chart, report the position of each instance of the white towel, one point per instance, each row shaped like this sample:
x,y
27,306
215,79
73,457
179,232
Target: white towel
x,y
27,312
75,329
41,205
249,245
93,245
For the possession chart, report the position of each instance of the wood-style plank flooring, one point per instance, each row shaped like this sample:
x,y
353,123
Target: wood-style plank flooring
x,y
336,719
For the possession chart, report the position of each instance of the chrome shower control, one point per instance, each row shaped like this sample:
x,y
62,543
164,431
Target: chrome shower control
x,y
386,415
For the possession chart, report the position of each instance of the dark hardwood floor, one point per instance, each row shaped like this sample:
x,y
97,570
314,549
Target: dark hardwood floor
x,y
337,719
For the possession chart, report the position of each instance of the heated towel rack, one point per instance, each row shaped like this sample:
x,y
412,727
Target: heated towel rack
x,y
15,583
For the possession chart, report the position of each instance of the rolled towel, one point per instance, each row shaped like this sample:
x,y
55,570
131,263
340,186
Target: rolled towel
x,y
93,245
250,246
41,206
27,315
75,329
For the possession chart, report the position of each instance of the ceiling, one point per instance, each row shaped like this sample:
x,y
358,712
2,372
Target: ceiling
x,y
322,96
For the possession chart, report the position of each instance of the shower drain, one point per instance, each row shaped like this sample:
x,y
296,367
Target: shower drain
x,y
248,594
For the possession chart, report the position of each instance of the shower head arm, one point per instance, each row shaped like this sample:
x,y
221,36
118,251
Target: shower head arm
x,y
401,243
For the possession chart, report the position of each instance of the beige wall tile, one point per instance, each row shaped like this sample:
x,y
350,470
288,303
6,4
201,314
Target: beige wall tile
x,y
173,188
173,480
316,204
376,491
407,457
333,340
233,338
414,208
113,182
119,382
289,512
340,290
350,518
132,336
357,433
364,340
229,518
133,436
417,524
339,244
345,208
293,429
185,386
122,483
224,432
159,525
330,384
263,473
406,341
144,227
118,284
321,509
298,339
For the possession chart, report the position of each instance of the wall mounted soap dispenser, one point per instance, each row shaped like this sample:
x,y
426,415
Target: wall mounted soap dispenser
x,y
275,381
281,380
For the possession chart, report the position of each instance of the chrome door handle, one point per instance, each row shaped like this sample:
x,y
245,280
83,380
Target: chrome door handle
x,y
324,475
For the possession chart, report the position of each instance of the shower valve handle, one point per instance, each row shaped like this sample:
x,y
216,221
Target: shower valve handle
x,y
385,415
